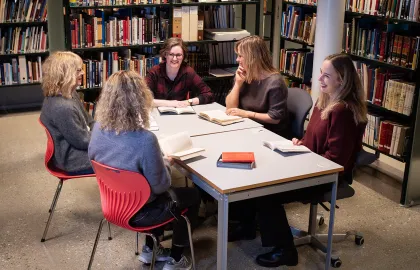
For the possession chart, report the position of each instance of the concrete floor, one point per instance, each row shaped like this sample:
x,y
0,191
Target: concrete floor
x,y
392,233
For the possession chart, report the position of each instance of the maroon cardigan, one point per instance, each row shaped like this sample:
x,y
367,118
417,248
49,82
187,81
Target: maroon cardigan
x,y
187,84
336,138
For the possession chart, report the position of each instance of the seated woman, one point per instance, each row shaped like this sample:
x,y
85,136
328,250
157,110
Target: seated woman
x,y
120,139
335,131
173,82
259,91
63,114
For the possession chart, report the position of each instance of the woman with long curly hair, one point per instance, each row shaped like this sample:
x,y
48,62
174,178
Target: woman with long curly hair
x,y
120,139
63,114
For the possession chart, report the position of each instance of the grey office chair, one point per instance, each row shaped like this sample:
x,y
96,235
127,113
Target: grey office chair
x,y
344,190
299,102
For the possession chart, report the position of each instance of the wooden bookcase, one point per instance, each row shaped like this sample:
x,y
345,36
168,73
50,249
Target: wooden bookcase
x,y
410,75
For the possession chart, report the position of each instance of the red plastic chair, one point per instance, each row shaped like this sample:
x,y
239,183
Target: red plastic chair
x,y
60,174
124,193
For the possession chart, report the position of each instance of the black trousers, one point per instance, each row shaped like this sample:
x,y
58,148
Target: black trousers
x,y
162,209
271,216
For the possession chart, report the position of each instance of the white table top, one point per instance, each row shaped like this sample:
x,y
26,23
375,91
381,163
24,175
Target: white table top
x,y
195,126
271,167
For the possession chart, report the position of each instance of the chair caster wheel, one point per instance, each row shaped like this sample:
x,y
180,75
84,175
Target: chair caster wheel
x,y
336,263
320,220
359,240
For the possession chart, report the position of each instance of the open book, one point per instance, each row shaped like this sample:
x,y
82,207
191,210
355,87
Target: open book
x,y
285,146
173,110
220,117
179,146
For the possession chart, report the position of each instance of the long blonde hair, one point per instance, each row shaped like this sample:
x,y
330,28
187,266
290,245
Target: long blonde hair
x,y
257,57
125,103
59,74
350,92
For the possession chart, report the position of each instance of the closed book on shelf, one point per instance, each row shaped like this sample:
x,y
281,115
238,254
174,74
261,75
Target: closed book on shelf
x,y
235,165
185,31
177,23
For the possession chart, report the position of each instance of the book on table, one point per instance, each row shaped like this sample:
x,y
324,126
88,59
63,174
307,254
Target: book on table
x,y
220,117
174,110
285,146
179,146
236,160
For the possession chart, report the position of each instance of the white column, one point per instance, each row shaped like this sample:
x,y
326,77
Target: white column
x,y
328,36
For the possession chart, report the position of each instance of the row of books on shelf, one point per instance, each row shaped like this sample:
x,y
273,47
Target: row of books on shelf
x,y
21,70
386,89
97,71
386,46
401,9
14,40
91,3
306,2
298,25
222,53
386,136
23,11
297,63
98,31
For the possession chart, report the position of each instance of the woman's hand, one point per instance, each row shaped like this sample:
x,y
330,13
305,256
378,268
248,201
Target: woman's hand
x,y
240,76
179,104
296,141
237,112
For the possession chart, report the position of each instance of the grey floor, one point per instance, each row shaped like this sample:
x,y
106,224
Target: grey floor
x,y
392,233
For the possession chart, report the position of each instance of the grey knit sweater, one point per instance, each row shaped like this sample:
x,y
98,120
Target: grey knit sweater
x,y
136,151
68,122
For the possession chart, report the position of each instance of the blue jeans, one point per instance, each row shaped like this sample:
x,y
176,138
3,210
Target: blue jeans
x,y
82,172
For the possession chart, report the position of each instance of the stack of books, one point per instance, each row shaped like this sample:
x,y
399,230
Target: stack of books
x,y
237,160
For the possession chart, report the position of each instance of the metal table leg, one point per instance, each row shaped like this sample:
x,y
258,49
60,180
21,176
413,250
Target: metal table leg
x,y
331,226
222,232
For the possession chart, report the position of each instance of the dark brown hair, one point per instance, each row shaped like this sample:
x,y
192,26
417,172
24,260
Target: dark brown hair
x,y
169,44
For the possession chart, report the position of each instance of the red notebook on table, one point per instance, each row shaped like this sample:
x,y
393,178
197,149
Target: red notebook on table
x,y
239,157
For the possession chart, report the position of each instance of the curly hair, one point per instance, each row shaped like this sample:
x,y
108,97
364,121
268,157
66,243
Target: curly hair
x,y
257,57
59,74
350,93
169,44
125,103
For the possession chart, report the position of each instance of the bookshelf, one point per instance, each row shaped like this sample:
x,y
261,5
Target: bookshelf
x,y
377,63
164,13
23,48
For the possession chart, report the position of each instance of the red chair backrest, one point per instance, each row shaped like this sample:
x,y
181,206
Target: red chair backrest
x,y
123,193
50,147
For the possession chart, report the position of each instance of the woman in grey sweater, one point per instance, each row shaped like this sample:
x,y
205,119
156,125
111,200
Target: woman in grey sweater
x,y
120,139
63,114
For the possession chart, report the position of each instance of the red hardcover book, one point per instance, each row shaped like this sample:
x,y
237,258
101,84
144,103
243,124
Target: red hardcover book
x,y
240,157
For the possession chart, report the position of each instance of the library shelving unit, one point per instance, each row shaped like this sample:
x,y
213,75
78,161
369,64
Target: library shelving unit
x,y
23,41
403,70
169,9
303,46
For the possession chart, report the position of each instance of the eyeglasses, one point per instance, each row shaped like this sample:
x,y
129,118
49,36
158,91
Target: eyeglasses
x,y
178,55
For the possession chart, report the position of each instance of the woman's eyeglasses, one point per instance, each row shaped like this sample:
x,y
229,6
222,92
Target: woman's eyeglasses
x,y
178,55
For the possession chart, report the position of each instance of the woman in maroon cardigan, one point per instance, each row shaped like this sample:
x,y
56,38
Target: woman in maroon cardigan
x,y
335,131
173,82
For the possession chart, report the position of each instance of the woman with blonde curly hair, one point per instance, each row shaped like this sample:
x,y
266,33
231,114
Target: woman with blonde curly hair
x,y
120,139
63,114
